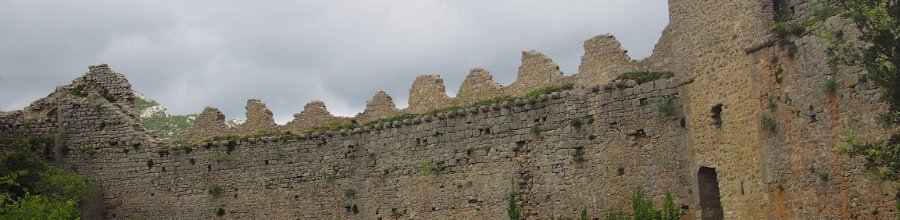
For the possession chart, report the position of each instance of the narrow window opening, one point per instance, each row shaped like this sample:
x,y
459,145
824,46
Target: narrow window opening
x,y
717,115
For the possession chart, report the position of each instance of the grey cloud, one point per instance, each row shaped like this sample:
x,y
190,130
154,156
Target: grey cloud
x,y
188,55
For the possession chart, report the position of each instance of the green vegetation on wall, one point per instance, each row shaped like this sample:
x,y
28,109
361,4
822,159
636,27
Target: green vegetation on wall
x,y
644,76
32,189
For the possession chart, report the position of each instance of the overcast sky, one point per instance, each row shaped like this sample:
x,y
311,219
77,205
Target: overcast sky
x,y
192,54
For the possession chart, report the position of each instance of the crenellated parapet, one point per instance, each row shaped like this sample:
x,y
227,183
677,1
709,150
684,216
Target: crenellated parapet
x,y
478,85
314,115
603,59
259,119
380,106
210,123
537,70
427,93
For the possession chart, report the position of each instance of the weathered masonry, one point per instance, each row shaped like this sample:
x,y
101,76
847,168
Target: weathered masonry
x,y
698,135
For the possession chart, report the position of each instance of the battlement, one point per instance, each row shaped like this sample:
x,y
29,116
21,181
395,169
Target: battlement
x,y
603,59
737,133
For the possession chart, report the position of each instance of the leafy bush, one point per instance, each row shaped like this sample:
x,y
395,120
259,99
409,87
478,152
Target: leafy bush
x,y
829,86
642,208
513,210
576,123
349,192
644,76
536,131
32,189
229,147
768,124
396,213
665,107
87,150
79,90
432,168
220,211
215,190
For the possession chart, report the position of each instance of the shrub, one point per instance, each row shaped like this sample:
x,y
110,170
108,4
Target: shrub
x,y
576,123
469,151
395,213
220,211
665,107
215,190
829,86
584,215
79,90
279,150
768,124
578,157
230,146
642,208
220,157
87,150
349,192
149,163
513,210
644,76
823,176
432,168
536,131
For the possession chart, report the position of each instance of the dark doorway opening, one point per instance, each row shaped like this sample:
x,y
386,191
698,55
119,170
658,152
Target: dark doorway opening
x,y
710,203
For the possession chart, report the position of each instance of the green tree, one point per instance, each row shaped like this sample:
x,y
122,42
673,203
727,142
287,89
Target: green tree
x,y
33,189
877,52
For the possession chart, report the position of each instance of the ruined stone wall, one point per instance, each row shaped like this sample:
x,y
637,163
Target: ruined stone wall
x,y
478,85
799,155
620,138
210,123
314,115
259,119
537,70
379,168
728,55
427,93
380,106
603,60
585,148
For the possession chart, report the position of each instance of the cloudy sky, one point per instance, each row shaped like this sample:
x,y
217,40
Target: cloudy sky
x,y
192,54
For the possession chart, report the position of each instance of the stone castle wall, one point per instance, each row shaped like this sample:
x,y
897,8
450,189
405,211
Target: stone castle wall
x,y
724,58
379,168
